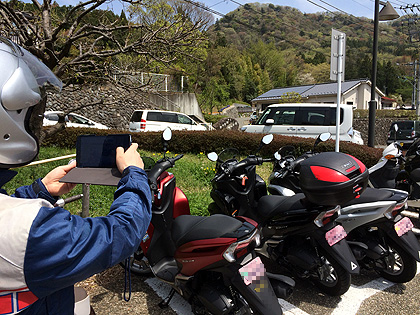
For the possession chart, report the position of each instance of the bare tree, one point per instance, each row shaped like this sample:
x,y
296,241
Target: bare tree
x,y
83,43
78,40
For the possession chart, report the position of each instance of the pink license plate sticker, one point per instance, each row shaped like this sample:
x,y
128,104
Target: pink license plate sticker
x,y
252,271
335,235
403,226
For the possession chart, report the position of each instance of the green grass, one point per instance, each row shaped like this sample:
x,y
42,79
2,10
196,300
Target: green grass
x,y
193,176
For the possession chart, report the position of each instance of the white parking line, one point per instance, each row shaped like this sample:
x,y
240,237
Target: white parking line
x,y
349,304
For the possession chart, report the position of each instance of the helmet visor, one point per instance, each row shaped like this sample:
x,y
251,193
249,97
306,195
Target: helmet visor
x,y
43,75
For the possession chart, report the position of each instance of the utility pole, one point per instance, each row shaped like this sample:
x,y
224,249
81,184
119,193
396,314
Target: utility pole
x,y
417,84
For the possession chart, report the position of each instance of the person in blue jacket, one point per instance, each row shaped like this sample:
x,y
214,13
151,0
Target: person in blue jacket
x,y
44,250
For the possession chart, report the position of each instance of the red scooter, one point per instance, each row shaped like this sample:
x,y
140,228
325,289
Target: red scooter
x,y
209,261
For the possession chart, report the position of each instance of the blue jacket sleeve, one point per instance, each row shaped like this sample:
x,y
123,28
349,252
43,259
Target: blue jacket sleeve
x,y
63,249
36,190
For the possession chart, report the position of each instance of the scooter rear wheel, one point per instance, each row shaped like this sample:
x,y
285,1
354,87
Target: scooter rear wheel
x,y
399,266
332,278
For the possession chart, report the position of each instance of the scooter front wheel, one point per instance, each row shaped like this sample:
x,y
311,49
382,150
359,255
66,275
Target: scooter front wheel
x,y
332,278
398,266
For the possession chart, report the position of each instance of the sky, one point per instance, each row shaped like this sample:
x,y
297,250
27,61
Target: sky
x,y
354,7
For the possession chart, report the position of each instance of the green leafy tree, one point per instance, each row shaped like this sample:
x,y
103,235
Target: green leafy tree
x,y
214,95
290,97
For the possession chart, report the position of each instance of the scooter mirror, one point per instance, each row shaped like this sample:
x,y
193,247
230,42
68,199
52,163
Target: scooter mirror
x,y
167,134
395,132
324,136
267,139
212,156
277,156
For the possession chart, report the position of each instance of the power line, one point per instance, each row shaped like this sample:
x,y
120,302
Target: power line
x,y
388,35
258,30
362,4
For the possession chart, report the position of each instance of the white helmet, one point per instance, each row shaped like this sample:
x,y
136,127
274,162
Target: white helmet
x,y
22,77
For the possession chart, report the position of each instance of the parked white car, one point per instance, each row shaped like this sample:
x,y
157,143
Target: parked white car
x,y
158,120
306,120
72,120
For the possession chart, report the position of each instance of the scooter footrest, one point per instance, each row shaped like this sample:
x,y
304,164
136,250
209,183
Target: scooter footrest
x,y
282,285
282,278
166,269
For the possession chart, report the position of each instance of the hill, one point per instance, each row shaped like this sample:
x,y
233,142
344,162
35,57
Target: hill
x,y
261,46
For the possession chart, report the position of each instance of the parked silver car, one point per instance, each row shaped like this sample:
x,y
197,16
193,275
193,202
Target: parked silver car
x,y
72,120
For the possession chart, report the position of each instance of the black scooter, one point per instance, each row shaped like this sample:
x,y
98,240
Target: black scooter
x,y
380,237
297,234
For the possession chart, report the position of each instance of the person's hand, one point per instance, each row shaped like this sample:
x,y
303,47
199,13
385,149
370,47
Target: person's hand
x,y
128,158
51,180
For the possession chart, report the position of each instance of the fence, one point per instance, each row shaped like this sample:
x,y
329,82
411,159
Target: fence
x,y
155,81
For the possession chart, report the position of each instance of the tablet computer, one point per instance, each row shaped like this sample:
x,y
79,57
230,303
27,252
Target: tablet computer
x,y
95,159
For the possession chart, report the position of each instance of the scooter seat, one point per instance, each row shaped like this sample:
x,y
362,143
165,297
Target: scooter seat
x,y
371,195
187,228
272,205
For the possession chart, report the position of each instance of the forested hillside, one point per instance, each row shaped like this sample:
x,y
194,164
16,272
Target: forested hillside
x,y
261,46
249,51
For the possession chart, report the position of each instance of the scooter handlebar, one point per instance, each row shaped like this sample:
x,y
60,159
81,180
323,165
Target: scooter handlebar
x,y
161,166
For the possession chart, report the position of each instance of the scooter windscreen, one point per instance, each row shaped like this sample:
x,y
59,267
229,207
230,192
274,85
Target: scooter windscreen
x,y
229,154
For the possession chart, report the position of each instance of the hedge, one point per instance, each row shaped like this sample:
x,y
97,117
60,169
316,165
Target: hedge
x,y
387,113
207,141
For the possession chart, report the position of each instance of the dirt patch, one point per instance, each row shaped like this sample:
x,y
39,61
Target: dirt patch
x,y
106,292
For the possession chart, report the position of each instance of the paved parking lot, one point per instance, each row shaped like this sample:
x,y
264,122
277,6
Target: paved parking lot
x,y
368,294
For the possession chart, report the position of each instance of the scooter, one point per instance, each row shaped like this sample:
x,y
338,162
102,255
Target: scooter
x,y
297,234
380,237
209,261
394,170
384,173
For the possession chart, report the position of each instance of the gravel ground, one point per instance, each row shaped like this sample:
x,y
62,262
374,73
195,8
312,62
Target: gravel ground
x,y
106,292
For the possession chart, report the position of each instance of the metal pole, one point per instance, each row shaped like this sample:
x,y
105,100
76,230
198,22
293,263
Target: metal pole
x,y
339,78
85,200
413,102
372,103
417,85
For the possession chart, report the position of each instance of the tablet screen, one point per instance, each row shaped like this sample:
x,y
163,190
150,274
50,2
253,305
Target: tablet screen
x,y
99,151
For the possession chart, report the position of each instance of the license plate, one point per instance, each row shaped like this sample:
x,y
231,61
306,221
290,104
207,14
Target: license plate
x,y
335,235
252,271
403,226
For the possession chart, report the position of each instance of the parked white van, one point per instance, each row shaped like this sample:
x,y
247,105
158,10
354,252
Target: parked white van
x,y
158,120
306,120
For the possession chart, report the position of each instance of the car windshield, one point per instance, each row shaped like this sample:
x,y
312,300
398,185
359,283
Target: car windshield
x,y
77,119
404,125
52,117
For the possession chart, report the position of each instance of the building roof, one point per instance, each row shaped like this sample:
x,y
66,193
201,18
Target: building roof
x,y
313,90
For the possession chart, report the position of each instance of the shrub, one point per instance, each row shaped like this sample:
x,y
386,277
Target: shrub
x,y
207,141
213,118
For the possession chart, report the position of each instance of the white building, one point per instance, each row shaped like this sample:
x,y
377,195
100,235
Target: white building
x,y
355,93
